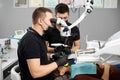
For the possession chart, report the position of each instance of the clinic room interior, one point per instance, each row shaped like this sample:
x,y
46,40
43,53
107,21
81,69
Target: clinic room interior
x,y
99,31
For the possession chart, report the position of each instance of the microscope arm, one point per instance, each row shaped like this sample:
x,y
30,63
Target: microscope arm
x,y
78,20
65,29
88,10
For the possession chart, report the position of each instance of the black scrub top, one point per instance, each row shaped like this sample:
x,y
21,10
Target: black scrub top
x,y
31,46
52,35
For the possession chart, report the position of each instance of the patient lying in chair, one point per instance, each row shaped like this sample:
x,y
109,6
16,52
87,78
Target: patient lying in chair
x,y
104,72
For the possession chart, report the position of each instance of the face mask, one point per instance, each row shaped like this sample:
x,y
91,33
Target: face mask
x,y
48,29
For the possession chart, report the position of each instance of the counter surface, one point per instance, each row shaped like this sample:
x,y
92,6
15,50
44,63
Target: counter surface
x,y
9,58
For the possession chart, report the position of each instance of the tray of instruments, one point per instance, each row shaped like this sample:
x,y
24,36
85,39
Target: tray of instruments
x,y
87,55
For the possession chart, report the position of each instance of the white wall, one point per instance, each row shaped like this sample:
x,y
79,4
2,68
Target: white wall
x,y
100,24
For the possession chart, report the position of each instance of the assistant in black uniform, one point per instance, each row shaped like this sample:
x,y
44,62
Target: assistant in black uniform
x,y
53,36
53,33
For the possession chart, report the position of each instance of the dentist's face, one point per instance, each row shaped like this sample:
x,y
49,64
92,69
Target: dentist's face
x,y
46,20
48,17
63,16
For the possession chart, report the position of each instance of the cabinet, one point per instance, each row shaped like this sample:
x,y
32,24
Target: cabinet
x,y
7,62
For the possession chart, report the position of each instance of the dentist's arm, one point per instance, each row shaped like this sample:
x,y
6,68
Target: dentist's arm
x,y
37,70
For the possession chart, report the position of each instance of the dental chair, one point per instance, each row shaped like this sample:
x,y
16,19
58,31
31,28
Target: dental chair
x,y
15,73
109,49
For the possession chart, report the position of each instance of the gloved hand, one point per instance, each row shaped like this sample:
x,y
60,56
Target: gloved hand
x,y
67,50
57,55
59,48
62,60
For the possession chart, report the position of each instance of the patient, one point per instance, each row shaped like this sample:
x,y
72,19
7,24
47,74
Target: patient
x,y
104,72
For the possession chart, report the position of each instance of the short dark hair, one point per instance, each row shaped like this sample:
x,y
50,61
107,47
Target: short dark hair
x,y
39,12
61,8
